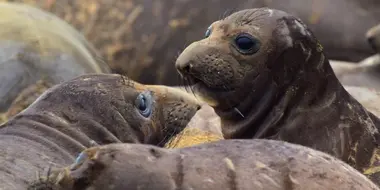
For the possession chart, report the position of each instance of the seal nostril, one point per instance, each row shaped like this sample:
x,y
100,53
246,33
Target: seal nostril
x,y
186,68
372,43
370,40
198,107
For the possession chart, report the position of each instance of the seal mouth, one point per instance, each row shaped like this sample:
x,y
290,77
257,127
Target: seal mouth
x,y
197,85
206,92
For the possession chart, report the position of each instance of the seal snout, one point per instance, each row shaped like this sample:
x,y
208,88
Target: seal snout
x,y
176,108
185,61
184,67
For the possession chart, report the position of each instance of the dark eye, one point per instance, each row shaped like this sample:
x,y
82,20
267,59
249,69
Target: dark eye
x,y
144,102
247,44
208,32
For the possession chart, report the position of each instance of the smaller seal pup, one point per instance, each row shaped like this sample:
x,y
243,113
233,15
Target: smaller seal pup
x,y
89,110
266,76
227,164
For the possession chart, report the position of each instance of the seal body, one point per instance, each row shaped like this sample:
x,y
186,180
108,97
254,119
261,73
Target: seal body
x,y
39,50
266,75
86,111
123,32
227,164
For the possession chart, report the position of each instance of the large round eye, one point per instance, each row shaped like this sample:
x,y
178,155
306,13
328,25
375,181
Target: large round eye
x,y
144,103
247,44
208,32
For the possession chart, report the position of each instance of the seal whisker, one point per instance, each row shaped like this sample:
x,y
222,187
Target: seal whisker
x,y
239,112
228,102
185,83
166,138
165,132
282,87
179,135
227,13
192,88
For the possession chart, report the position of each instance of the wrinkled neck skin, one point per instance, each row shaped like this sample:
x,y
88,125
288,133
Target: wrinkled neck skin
x,y
40,138
315,113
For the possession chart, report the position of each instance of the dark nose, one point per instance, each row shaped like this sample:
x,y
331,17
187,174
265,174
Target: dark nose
x,y
188,61
184,66
198,107
372,43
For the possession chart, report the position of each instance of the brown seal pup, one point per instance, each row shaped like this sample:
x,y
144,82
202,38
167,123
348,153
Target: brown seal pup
x,y
93,109
39,50
266,75
124,34
227,164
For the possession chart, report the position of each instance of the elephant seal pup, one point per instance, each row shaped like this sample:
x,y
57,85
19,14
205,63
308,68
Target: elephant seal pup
x,y
266,75
93,109
38,50
228,164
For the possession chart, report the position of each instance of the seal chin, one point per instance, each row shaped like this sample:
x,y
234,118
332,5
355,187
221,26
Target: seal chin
x,y
209,94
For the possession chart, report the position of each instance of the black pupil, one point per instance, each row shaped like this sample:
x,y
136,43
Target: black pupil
x,y
208,31
244,43
142,105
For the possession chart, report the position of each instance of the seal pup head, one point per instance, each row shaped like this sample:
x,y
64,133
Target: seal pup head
x,y
253,60
109,108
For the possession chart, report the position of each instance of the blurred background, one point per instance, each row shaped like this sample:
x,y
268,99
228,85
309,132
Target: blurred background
x,y
141,38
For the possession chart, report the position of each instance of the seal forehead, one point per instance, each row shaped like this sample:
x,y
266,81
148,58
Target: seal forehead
x,y
259,16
